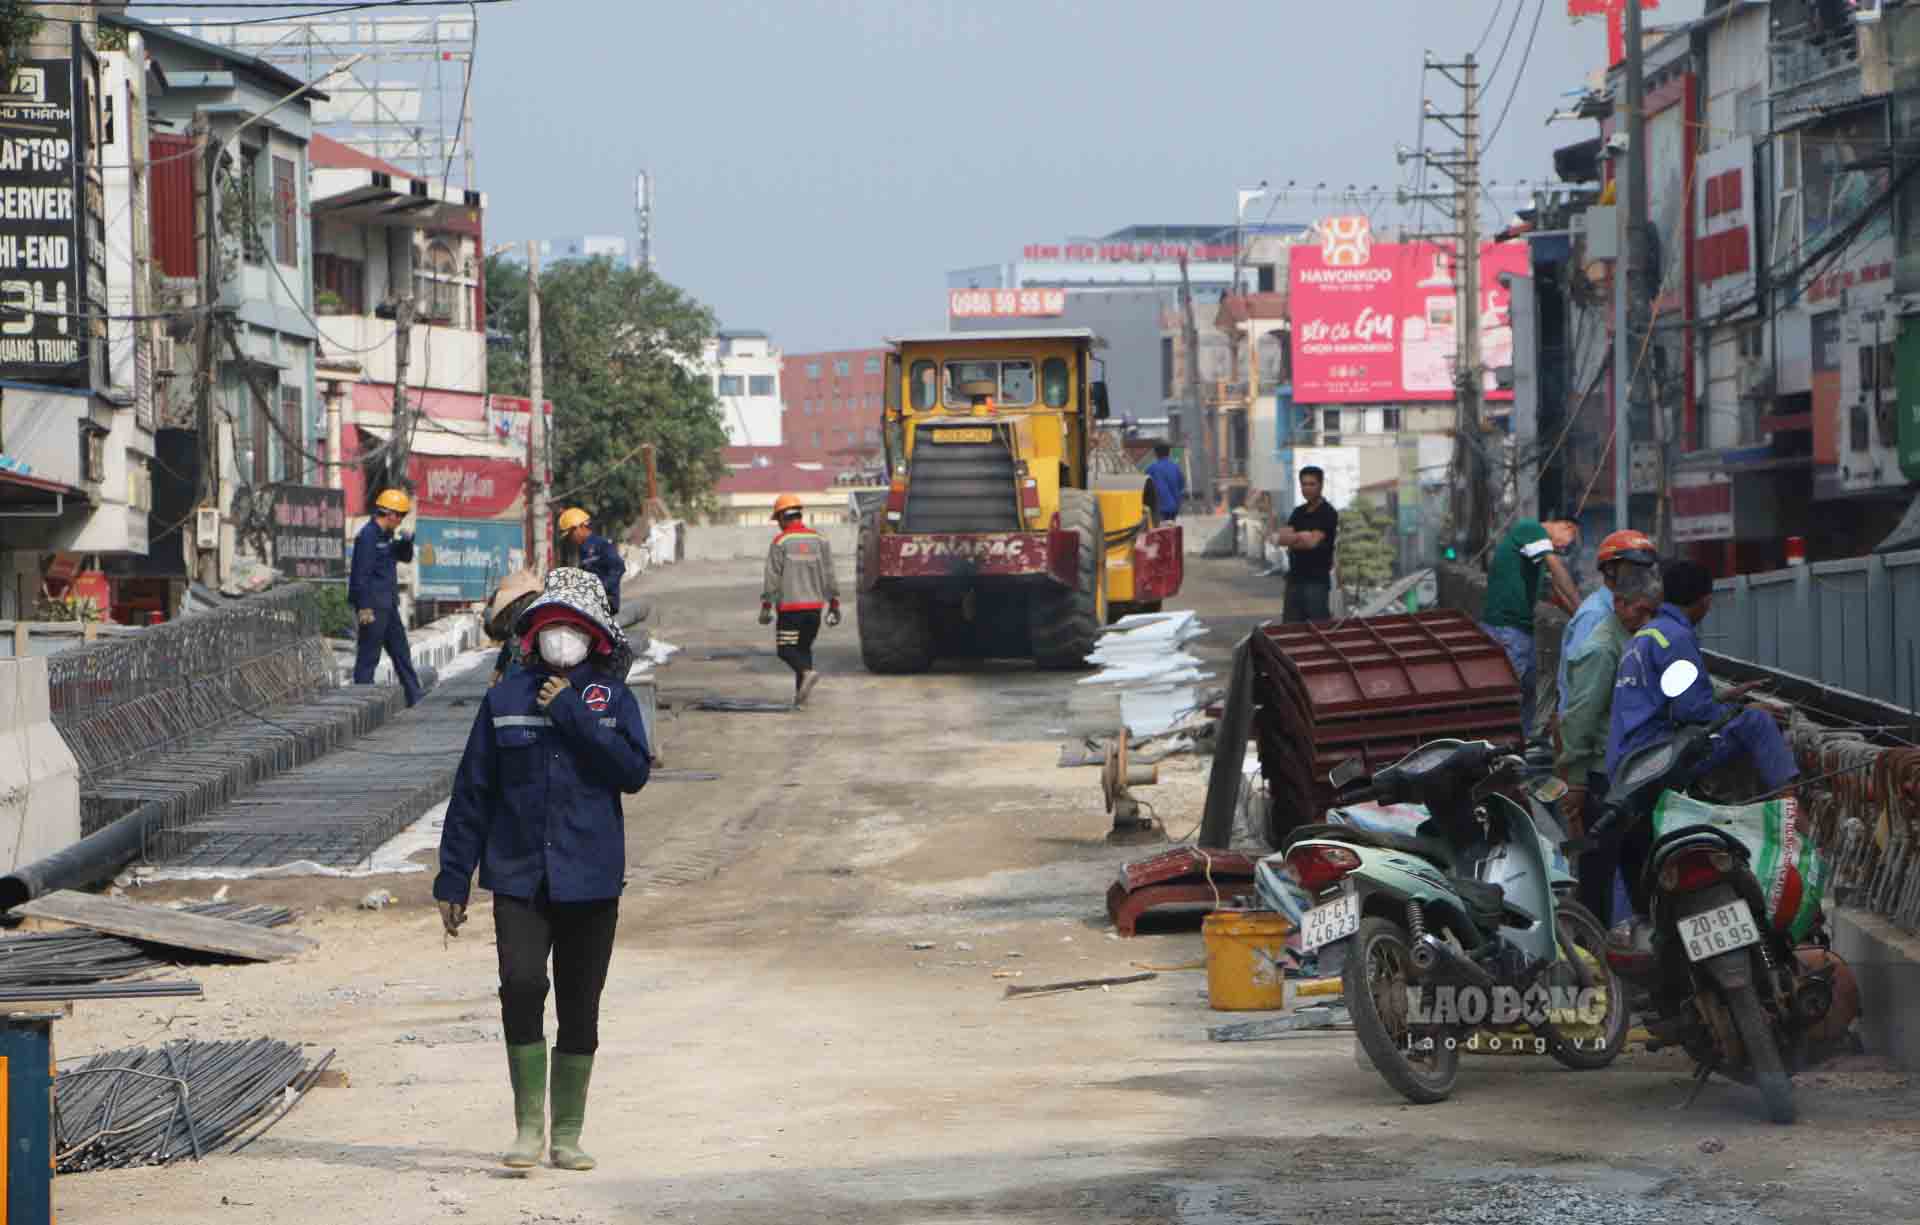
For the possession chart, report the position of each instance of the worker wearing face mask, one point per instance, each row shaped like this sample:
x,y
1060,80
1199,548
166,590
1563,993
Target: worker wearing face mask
x,y
536,808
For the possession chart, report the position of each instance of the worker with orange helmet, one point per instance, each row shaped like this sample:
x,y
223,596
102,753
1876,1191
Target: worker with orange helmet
x,y
373,592
799,584
1590,653
594,553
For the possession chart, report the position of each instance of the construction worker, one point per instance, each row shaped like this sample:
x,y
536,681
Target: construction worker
x,y
373,591
799,583
536,808
509,600
1513,586
596,554
1623,554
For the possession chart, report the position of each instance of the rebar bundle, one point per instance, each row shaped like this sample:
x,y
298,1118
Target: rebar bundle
x,y
78,957
155,1105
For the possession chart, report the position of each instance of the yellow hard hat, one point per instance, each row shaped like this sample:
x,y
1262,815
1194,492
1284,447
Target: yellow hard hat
x,y
395,500
573,517
786,502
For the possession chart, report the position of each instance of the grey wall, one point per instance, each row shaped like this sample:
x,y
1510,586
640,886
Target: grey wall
x,y
1129,321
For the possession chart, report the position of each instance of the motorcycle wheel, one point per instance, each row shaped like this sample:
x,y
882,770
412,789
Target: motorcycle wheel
x,y
1375,984
1579,928
1763,1054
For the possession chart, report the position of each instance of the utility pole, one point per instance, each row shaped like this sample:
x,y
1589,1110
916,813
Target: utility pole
x,y
207,561
1202,448
536,421
643,206
1473,491
401,444
1630,290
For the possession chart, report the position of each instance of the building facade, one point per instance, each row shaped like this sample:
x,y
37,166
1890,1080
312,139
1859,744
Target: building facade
x,y
745,368
832,407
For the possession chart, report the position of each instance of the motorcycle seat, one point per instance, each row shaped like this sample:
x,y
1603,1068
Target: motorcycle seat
x,y
1434,850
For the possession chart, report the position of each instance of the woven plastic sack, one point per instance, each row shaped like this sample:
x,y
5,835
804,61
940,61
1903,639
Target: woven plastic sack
x,y
1792,871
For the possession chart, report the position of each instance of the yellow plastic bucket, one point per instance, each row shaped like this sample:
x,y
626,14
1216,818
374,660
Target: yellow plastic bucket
x,y
1246,960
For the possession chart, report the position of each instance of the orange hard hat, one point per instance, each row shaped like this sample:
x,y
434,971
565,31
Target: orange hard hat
x,y
786,503
1630,546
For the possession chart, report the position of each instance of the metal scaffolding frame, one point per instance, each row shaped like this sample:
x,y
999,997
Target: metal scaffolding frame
x,y
407,102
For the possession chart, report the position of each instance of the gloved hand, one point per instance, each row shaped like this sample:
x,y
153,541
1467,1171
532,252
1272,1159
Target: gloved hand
x,y
366,616
551,690
833,615
452,915
766,614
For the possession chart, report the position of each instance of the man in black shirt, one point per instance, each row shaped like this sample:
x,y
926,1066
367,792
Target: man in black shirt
x,y
1308,539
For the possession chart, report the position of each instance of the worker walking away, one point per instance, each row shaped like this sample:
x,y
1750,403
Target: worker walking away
x,y
1169,483
516,592
536,808
1309,538
1513,588
594,553
799,583
373,592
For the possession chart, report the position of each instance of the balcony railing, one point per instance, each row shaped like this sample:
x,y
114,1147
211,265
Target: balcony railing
x,y
1807,52
442,358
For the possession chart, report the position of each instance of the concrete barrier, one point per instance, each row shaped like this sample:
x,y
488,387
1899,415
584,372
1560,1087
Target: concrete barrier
x,y
728,541
1886,963
39,777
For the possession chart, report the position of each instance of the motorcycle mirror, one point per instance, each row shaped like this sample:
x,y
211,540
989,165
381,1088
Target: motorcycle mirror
x,y
1679,677
1549,789
1346,772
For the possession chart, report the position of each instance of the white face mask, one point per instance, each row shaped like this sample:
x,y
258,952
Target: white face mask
x,y
564,645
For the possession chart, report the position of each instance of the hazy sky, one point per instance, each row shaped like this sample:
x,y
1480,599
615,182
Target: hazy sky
x,y
821,165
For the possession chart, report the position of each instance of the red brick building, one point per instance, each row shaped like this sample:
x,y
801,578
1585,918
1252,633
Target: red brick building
x,y
832,406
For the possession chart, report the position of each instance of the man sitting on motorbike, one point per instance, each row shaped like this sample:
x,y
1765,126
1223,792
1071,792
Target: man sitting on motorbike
x,y
1635,597
1642,715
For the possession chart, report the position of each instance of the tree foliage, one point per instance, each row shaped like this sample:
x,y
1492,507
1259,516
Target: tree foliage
x,y
617,348
1363,552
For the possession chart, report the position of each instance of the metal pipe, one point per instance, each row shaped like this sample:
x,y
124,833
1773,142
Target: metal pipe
x,y
93,858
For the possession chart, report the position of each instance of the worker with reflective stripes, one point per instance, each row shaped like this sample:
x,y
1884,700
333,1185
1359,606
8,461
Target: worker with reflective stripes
x,y
536,808
373,592
799,583
1643,715
596,554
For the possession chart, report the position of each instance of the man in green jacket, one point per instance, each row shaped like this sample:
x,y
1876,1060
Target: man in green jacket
x,y
1529,548
1581,760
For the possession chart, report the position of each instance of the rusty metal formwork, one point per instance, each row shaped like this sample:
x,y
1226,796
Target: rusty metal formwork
x,y
1373,688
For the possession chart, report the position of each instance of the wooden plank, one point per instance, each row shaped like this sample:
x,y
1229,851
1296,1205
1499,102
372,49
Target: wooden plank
x,y
173,928
1078,984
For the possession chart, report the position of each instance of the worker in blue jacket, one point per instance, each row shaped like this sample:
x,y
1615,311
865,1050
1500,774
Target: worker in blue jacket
x,y
373,592
536,808
597,554
1643,715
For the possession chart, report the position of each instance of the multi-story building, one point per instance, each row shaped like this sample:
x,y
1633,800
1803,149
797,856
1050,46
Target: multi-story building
x,y
745,368
832,407
385,242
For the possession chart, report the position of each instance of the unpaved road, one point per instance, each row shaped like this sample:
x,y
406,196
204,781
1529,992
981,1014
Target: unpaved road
x,y
776,1053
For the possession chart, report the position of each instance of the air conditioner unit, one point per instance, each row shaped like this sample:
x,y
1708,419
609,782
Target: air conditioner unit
x,y
206,527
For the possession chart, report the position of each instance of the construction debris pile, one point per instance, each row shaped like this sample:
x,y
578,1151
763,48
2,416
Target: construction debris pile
x,y
1144,654
77,957
156,1105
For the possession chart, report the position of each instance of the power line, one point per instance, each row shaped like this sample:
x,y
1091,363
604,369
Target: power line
x,y
1513,27
1488,32
1519,75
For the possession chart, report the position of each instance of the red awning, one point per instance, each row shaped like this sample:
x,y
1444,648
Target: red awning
x,y
17,489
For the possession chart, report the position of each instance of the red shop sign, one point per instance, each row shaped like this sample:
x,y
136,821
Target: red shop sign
x,y
464,488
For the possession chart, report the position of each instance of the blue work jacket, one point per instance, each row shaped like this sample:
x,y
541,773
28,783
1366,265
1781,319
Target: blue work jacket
x,y
1586,618
1169,485
599,558
374,581
1642,714
537,798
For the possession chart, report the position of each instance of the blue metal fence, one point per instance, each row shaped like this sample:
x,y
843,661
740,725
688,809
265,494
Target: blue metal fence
x,y
1852,624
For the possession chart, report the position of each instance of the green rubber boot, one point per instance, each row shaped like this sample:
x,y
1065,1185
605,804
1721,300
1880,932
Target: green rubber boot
x,y
571,1075
527,1065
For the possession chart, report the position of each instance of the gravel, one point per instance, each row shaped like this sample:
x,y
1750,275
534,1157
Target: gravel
x,y
1538,1201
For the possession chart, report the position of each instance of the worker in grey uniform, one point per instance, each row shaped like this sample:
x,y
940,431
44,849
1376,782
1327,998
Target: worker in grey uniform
x,y
799,584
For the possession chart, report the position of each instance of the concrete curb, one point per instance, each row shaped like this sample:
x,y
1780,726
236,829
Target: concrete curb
x,y
1886,964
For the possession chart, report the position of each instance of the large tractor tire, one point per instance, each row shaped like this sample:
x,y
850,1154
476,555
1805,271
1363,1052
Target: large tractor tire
x,y
1066,624
896,627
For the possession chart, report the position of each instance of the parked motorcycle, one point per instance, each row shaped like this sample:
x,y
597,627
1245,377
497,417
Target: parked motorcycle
x,y
1725,983
1463,925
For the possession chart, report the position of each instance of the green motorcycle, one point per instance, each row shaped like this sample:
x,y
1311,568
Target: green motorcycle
x,y
1461,932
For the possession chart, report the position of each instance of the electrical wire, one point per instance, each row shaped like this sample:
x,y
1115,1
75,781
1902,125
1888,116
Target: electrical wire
x,y
278,17
1491,22
1519,76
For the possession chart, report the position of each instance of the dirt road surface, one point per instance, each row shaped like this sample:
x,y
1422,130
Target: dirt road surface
x,y
778,1051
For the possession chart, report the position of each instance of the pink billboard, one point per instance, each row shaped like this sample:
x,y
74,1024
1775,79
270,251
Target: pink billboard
x,y
1378,322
